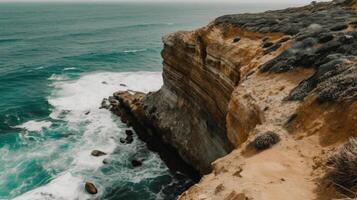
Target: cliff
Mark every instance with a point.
(245, 82)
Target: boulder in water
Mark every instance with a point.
(90, 188)
(129, 132)
(98, 153)
(113, 102)
(105, 161)
(105, 104)
(128, 140)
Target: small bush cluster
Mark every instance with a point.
(265, 140)
(343, 171)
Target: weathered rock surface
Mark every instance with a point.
(292, 72)
(130, 109)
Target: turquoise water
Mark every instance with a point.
(57, 61)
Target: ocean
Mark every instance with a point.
(57, 62)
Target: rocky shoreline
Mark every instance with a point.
(256, 102)
(127, 105)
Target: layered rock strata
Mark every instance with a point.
(292, 72)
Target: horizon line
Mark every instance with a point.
(297, 2)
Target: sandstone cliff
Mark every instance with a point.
(290, 72)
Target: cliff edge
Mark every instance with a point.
(261, 102)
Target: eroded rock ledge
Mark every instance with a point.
(290, 72)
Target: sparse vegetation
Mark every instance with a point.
(265, 140)
(343, 171)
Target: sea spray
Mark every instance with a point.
(89, 128)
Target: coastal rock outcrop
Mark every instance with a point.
(290, 72)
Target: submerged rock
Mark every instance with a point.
(105, 104)
(90, 188)
(129, 137)
(113, 101)
(136, 163)
(129, 132)
(128, 140)
(98, 153)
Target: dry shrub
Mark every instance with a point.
(343, 168)
(265, 140)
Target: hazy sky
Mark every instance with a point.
(238, 1)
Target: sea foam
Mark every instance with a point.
(80, 100)
(57, 77)
(134, 50)
(64, 187)
(34, 125)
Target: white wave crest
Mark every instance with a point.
(134, 50)
(56, 77)
(34, 125)
(69, 68)
(64, 187)
(80, 100)
(88, 91)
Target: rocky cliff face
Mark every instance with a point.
(290, 72)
